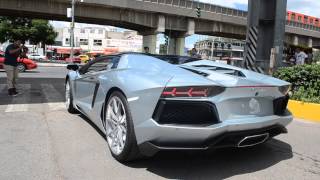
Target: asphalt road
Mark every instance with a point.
(40, 140)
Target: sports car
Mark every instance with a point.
(143, 104)
(23, 63)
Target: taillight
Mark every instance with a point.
(191, 91)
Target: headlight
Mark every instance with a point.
(285, 89)
(191, 91)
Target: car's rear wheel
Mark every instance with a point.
(69, 98)
(21, 67)
(119, 129)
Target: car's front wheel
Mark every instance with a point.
(69, 98)
(119, 129)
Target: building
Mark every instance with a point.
(225, 49)
(99, 39)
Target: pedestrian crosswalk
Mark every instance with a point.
(34, 97)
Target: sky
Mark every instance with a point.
(309, 7)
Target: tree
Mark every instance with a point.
(42, 32)
(14, 28)
(35, 30)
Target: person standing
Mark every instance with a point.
(300, 57)
(13, 51)
(146, 50)
(194, 53)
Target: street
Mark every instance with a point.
(39, 139)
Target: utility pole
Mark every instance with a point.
(72, 28)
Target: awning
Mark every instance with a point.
(68, 50)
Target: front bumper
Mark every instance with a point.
(152, 137)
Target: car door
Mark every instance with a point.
(86, 86)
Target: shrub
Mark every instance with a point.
(305, 80)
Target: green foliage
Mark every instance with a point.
(26, 29)
(316, 56)
(305, 80)
(14, 28)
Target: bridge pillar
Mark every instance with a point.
(176, 45)
(266, 30)
(310, 42)
(295, 40)
(149, 41)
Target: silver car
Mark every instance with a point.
(144, 104)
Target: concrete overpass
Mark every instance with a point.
(176, 18)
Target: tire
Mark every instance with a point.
(130, 150)
(21, 67)
(69, 99)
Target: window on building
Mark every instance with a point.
(305, 19)
(92, 31)
(311, 21)
(97, 42)
(100, 31)
(293, 17)
(83, 31)
(83, 41)
(317, 22)
(67, 41)
(299, 18)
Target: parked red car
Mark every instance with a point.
(23, 63)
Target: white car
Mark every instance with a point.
(37, 57)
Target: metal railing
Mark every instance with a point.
(211, 8)
(302, 25)
(190, 4)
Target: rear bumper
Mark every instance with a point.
(152, 137)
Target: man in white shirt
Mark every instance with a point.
(300, 57)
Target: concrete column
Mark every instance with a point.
(295, 40)
(176, 45)
(310, 44)
(150, 41)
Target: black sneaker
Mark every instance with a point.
(15, 93)
(12, 92)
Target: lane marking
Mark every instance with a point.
(19, 103)
(52, 95)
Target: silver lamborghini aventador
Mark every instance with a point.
(144, 104)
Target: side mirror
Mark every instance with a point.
(72, 67)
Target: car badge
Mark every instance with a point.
(254, 106)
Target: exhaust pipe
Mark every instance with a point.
(253, 140)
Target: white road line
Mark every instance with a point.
(51, 94)
(19, 103)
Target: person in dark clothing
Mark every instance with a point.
(13, 51)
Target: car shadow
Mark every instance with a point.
(211, 164)
(215, 164)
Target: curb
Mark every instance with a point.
(304, 110)
(51, 65)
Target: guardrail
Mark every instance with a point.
(302, 25)
(189, 4)
(211, 8)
